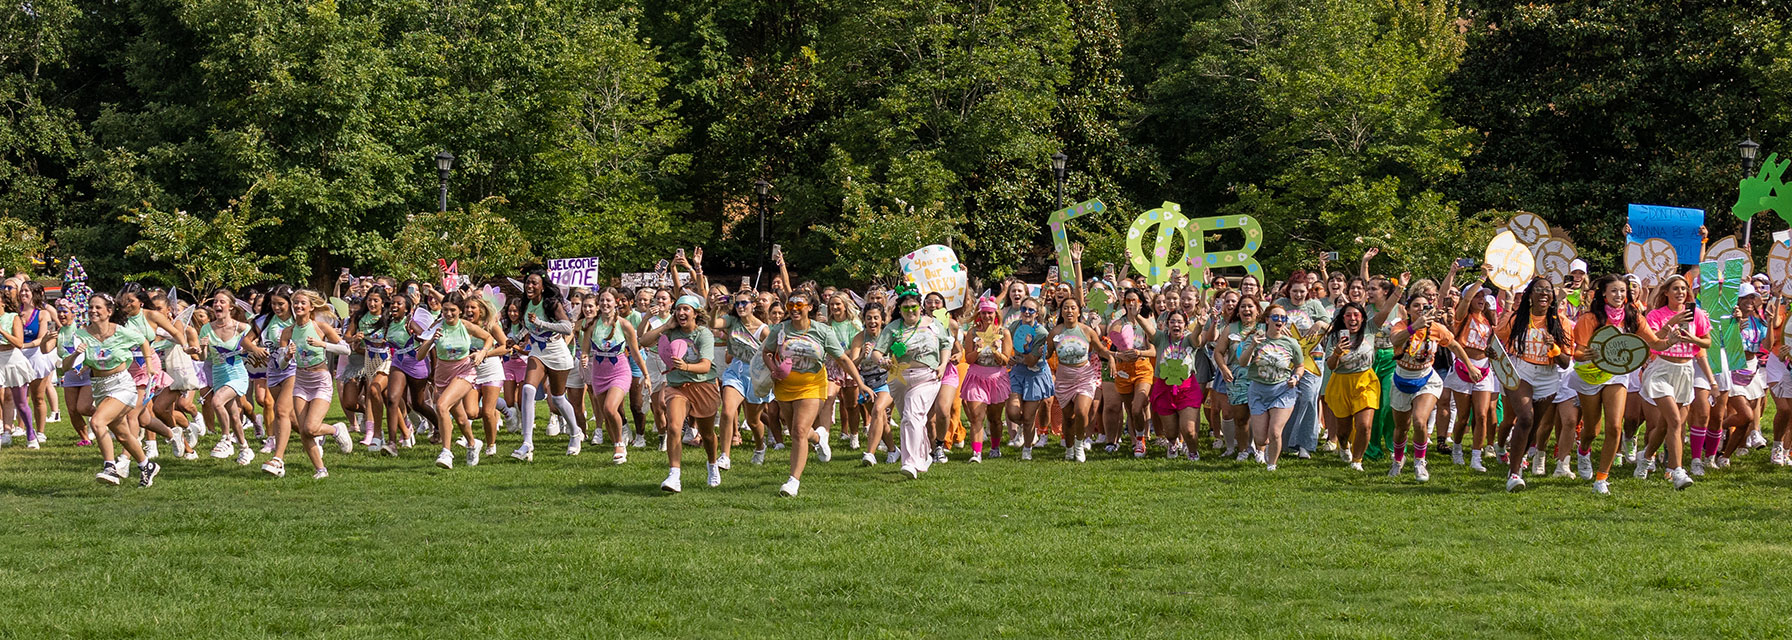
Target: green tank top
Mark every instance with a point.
(112, 352)
(309, 356)
(452, 343)
(399, 336)
(6, 322)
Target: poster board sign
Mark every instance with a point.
(633, 281)
(935, 269)
(1513, 264)
(574, 272)
(1679, 226)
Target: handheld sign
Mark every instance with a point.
(1513, 264)
(574, 272)
(935, 269)
(1501, 363)
(1678, 226)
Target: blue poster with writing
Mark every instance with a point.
(1677, 225)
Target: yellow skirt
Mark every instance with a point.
(802, 386)
(1353, 392)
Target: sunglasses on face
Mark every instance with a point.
(1028, 311)
(909, 307)
(742, 303)
(1278, 319)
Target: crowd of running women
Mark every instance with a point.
(1321, 361)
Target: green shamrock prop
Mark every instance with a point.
(1098, 300)
(1173, 372)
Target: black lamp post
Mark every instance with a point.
(444, 164)
(1058, 172)
(764, 190)
(1749, 149)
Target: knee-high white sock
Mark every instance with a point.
(1230, 430)
(525, 415)
(563, 408)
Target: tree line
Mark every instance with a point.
(224, 141)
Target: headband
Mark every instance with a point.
(691, 301)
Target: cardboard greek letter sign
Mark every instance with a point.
(574, 272)
(1679, 226)
(1551, 248)
(1652, 260)
(935, 269)
(1172, 232)
(1061, 242)
(1766, 191)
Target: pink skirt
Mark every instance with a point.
(1167, 400)
(608, 372)
(447, 372)
(309, 384)
(516, 369)
(951, 377)
(150, 374)
(1072, 381)
(987, 385)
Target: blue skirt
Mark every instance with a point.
(1030, 385)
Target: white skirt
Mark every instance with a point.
(15, 369)
(180, 371)
(489, 373)
(555, 356)
(118, 385)
(43, 364)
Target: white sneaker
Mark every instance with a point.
(1420, 471)
(1755, 440)
(640, 442)
(445, 459)
(1026, 453)
(1562, 470)
(1257, 456)
(715, 475)
(1271, 467)
(473, 452)
(1244, 454)
(320, 474)
(245, 455)
(868, 460)
(179, 440)
(1681, 480)
(758, 456)
(150, 450)
(789, 488)
(723, 463)
(1474, 464)
(910, 472)
(1069, 453)
(1395, 468)
(1778, 457)
(577, 443)
(491, 449)
(597, 437)
(1081, 453)
(1456, 456)
(1723, 462)
(1602, 487)
(1537, 462)
(673, 484)
(1698, 467)
(1642, 469)
(1515, 483)
(853, 442)
(123, 465)
(524, 453)
(977, 457)
(893, 457)
(194, 430)
(1343, 454)
(825, 449)
(267, 446)
(1584, 465)
(553, 424)
(55, 416)
(224, 449)
(344, 441)
(1356, 466)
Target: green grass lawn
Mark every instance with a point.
(1117, 547)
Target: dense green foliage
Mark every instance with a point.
(621, 128)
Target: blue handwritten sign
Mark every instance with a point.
(1677, 225)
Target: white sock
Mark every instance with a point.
(525, 414)
(563, 408)
(676, 472)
